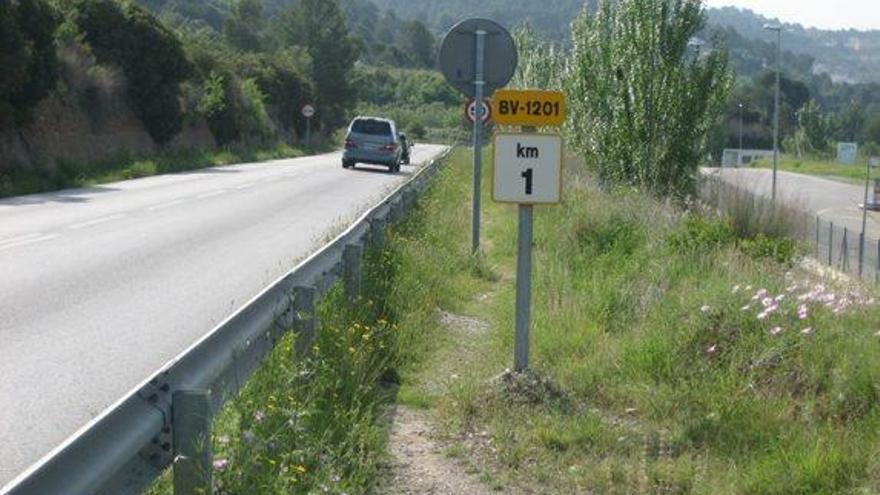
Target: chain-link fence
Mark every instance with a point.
(833, 242)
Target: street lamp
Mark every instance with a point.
(778, 29)
(740, 159)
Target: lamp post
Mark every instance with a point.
(740, 155)
(778, 29)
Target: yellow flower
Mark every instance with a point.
(300, 469)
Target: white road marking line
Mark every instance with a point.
(96, 221)
(25, 242)
(19, 238)
(165, 205)
(211, 194)
(244, 186)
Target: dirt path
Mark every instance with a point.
(420, 464)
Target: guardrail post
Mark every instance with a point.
(304, 318)
(377, 233)
(351, 271)
(193, 459)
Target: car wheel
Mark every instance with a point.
(347, 164)
(394, 168)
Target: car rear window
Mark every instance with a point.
(372, 127)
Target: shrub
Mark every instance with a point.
(780, 249)
(700, 234)
(150, 55)
(27, 55)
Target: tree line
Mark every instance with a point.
(246, 67)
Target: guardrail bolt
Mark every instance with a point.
(304, 319)
(351, 269)
(193, 464)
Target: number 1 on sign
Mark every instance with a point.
(528, 175)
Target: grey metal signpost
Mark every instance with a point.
(477, 57)
(308, 112)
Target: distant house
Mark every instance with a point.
(743, 158)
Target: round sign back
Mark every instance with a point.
(458, 56)
(308, 111)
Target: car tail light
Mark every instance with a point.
(349, 144)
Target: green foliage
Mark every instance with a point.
(541, 65)
(151, 56)
(780, 249)
(30, 66)
(321, 28)
(244, 25)
(640, 102)
(699, 234)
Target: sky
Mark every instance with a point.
(824, 14)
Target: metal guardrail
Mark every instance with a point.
(129, 445)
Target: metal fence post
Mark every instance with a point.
(304, 318)
(830, 243)
(861, 254)
(351, 271)
(845, 255)
(193, 463)
(818, 228)
(877, 268)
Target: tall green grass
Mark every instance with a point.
(685, 367)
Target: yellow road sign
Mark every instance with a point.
(529, 107)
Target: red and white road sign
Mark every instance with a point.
(470, 112)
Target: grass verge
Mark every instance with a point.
(685, 361)
(823, 168)
(19, 180)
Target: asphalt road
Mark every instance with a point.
(99, 287)
(832, 200)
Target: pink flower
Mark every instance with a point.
(803, 312)
(776, 331)
(220, 464)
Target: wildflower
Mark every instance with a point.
(746, 307)
(779, 298)
(803, 312)
(259, 416)
(220, 464)
(299, 468)
(807, 331)
(791, 288)
(735, 289)
(767, 302)
(705, 308)
(775, 331)
(877, 334)
(712, 348)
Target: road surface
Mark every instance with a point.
(832, 200)
(101, 286)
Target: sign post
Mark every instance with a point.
(477, 57)
(528, 172)
(308, 112)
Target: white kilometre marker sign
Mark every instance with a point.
(528, 168)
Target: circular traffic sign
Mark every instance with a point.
(470, 112)
(308, 111)
(458, 56)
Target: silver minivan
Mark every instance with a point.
(372, 140)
